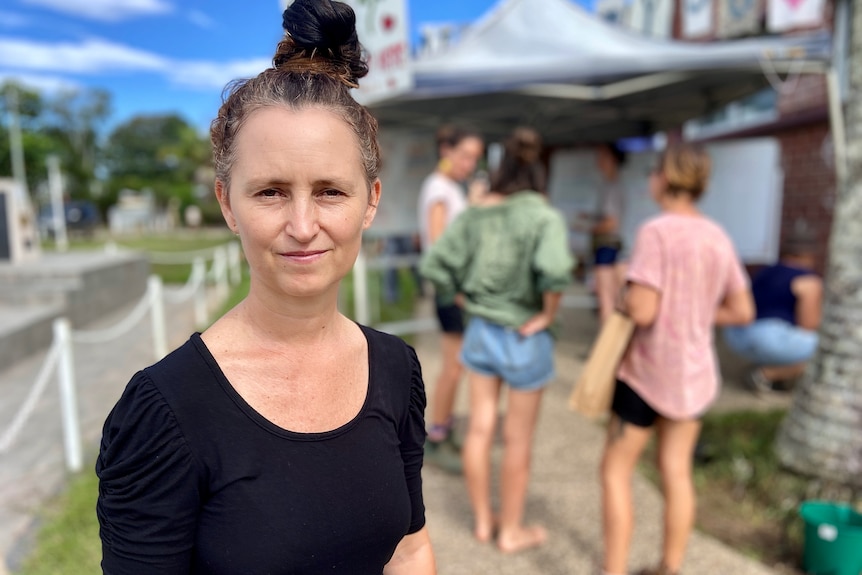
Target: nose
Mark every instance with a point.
(302, 220)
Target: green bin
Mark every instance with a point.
(833, 539)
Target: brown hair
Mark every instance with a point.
(686, 169)
(315, 65)
(521, 167)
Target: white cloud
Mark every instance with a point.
(106, 10)
(201, 20)
(88, 57)
(42, 83)
(13, 20)
(216, 74)
(95, 56)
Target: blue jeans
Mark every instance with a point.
(772, 342)
(525, 363)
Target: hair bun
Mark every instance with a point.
(321, 30)
(526, 145)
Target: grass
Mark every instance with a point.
(68, 542)
(745, 498)
(182, 241)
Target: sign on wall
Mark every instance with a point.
(739, 17)
(382, 27)
(697, 20)
(19, 239)
(652, 18)
(784, 15)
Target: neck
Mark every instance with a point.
(285, 319)
(681, 204)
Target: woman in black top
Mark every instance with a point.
(284, 439)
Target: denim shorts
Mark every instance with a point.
(525, 363)
(772, 342)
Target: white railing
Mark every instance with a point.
(225, 270)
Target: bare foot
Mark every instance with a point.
(522, 539)
(485, 532)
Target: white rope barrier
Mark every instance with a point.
(11, 432)
(192, 285)
(120, 328)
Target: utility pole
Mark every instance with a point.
(19, 172)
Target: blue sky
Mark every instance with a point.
(160, 55)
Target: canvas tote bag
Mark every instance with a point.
(594, 389)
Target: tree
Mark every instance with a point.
(158, 152)
(74, 120)
(822, 434)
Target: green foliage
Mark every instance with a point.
(163, 153)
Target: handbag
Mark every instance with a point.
(594, 389)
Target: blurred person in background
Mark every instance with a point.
(509, 257)
(683, 278)
(788, 297)
(607, 240)
(441, 200)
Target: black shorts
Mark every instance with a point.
(451, 318)
(631, 408)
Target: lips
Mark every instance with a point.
(306, 256)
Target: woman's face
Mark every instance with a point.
(605, 162)
(299, 199)
(463, 157)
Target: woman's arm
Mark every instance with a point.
(436, 221)
(607, 225)
(543, 319)
(640, 303)
(413, 556)
(736, 309)
(809, 301)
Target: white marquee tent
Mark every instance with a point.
(552, 65)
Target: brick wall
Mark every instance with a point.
(809, 183)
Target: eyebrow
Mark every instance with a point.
(276, 182)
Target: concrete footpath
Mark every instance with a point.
(564, 492)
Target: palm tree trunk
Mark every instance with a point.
(822, 434)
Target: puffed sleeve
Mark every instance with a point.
(412, 437)
(149, 493)
(552, 260)
(445, 263)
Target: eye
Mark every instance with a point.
(269, 193)
(331, 193)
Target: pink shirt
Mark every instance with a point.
(691, 261)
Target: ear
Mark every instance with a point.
(373, 201)
(223, 198)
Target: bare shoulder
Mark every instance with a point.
(809, 285)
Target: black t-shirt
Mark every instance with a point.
(195, 481)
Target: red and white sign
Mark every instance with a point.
(784, 15)
(382, 27)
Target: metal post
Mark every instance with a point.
(68, 399)
(157, 314)
(199, 270)
(360, 289)
(55, 187)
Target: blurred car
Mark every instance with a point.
(82, 217)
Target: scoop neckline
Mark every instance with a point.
(258, 418)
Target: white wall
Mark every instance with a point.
(744, 193)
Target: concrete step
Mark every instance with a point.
(25, 330)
